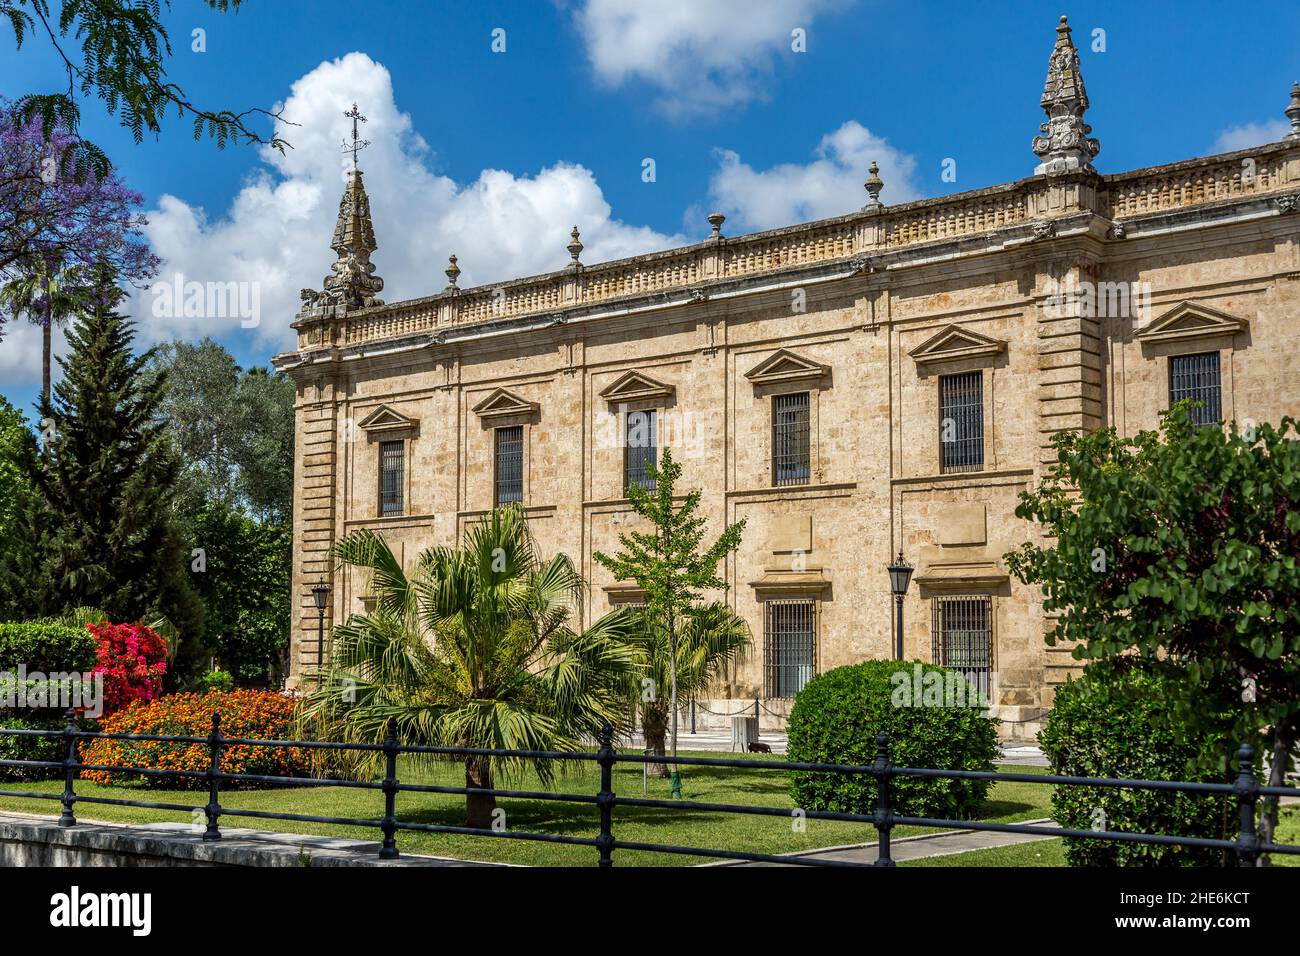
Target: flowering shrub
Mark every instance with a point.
(255, 714)
(133, 660)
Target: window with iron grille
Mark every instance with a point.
(961, 633)
(640, 442)
(509, 464)
(790, 459)
(1196, 377)
(789, 643)
(961, 422)
(392, 468)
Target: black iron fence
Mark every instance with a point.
(1246, 790)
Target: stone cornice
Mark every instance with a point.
(1033, 215)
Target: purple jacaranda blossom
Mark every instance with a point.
(53, 220)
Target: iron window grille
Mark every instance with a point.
(962, 637)
(789, 647)
(790, 458)
(640, 445)
(392, 468)
(1196, 377)
(509, 465)
(961, 422)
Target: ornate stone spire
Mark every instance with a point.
(1293, 113)
(1066, 146)
(575, 247)
(874, 185)
(352, 282)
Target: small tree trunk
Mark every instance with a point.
(1282, 744)
(479, 806)
(46, 351)
(672, 673)
(654, 725)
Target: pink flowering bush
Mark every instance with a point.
(133, 660)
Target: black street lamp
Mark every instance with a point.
(900, 576)
(320, 593)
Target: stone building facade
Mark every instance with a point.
(882, 382)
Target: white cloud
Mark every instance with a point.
(277, 229)
(703, 55)
(830, 185)
(20, 360)
(1251, 134)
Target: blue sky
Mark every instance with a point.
(495, 156)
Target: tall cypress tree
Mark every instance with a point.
(106, 481)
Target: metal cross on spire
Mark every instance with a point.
(357, 143)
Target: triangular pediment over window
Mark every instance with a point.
(786, 366)
(1191, 320)
(385, 419)
(954, 342)
(634, 386)
(501, 403)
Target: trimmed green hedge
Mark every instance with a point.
(837, 716)
(1112, 723)
(32, 748)
(49, 648)
(45, 646)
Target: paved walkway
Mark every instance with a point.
(1020, 754)
(943, 843)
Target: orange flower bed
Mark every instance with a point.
(252, 714)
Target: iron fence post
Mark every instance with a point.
(1247, 789)
(388, 851)
(605, 798)
(882, 770)
(213, 809)
(67, 818)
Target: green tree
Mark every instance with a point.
(117, 52)
(104, 485)
(17, 498)
(1180, 546)
(233, 428)
(242, 574)
(672, 568)
(473, 648)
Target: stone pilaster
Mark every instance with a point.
(1070, 351)
(315, 477)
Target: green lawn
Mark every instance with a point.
(1008, 802)
(1041, 853)
(1052, 852)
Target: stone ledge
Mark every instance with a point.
(34, 840)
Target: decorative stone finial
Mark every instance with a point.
(716, 219)
(453, 271)
(1293, 113)
(1066, 146)
(575, 246)
(352, 282)
(874, 185)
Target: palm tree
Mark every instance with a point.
(473, 648)
(49, 296)
(711, 638)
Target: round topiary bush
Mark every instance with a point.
(250, 714)
(1116, 722)
(838, 714)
